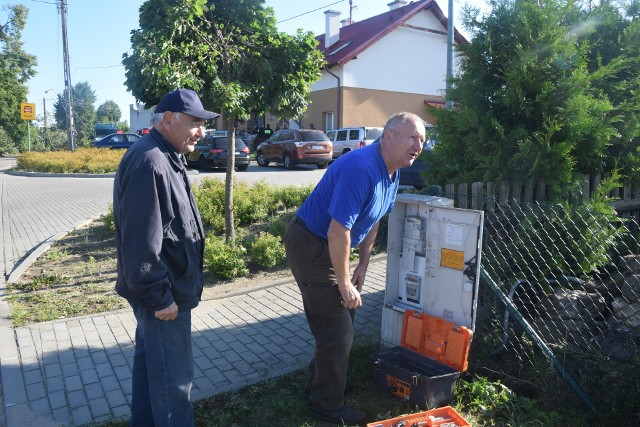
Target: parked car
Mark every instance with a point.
(352, 138)
(295, 146)
(116, 140)
(412, 175)
(212, 152)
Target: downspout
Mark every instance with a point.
(338, 109)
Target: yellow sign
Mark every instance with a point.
(27, 111)
(452, 259)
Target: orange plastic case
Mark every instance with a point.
(439, 417)
(426, 365)
(437, 339)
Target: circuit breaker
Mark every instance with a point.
(433, 262)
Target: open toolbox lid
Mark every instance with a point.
(436, 338)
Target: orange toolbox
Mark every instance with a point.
(426, 365)
(440, 417)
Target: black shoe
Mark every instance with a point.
(345, 415)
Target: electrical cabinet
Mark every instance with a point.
(433, 262)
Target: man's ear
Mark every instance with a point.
(386, 137)
(167, 118)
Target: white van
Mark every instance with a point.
(352, 138)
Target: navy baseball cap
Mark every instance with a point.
(184, 101)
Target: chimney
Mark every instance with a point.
(345, 22)
(396, 4)
(332, 28)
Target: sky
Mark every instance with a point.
(98, 34)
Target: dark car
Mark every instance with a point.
(211, 152)
(116, 140)
(412, 175)
(295, 146)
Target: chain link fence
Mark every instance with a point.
(559, 308)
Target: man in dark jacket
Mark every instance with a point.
(160, 246)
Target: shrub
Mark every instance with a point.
(252, 204)
(209, 196)
(267, 251)
(224, 260)
(278, 223)
(108, 219)
(82, 160)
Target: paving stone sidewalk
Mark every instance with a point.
(77, 371)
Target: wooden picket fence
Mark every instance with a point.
(486, 196)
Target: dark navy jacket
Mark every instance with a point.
(159, 234)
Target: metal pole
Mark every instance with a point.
(67, 75)
(44, 109)
(450, 38)
(28, 136)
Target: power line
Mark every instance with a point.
(103, 66)
(311, 11)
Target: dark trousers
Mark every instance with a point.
(162, 372)
(329, 321)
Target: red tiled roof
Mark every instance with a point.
(357, 37)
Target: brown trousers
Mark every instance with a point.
(329, 321)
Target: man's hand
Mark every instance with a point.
(168, 313)
(358, 277)
(350, 296)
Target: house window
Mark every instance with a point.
(328, 121)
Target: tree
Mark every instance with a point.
(109, 112)
(614, 61)
(84, 113)
(16, 68)
(525, 105)
(230, 52)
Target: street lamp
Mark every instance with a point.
(44, 109)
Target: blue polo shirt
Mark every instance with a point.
(355, 190)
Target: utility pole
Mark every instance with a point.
(67, 75)
(450, 38)
(44, 109)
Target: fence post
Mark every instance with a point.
(491, 197)
(503, 197)
(585, 188)
(449, 191)
(541, 191)
(528, 192)
(597, 179)
(477, 196)
(462, 195)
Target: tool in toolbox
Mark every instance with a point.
(439, 417)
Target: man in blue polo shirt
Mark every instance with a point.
(343, 212)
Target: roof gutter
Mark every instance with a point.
(338, 109)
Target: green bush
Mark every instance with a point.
(251, 204)
(108, 219)
(224, 260)
(209, 196)
(82, 160)
(278, 223)
(267, 251)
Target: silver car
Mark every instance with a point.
(352, 138)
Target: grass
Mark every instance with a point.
(281, 402)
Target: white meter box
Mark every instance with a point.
(433, 262)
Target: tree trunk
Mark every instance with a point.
(230, 232)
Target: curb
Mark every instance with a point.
(25, 263)
(72, 175)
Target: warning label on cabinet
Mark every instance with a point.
(452, 259)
